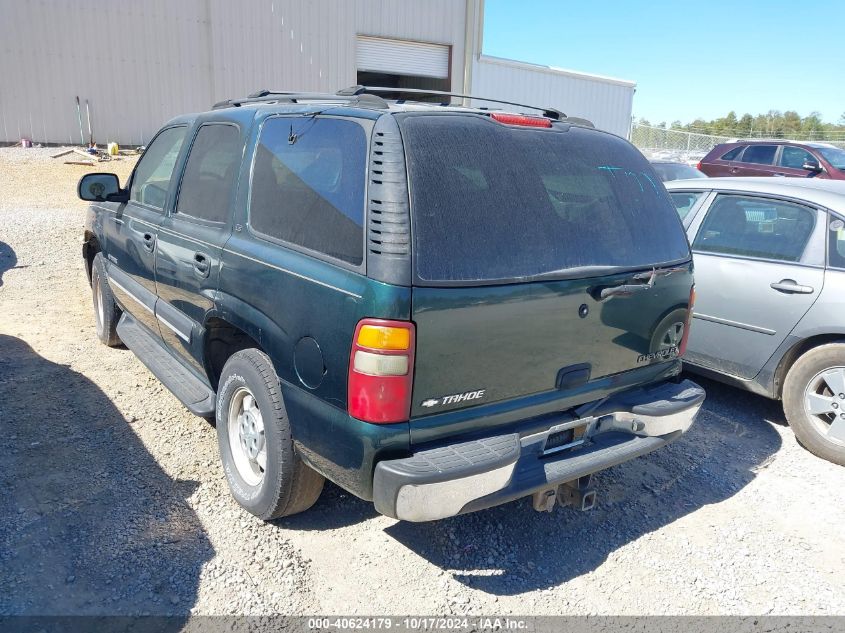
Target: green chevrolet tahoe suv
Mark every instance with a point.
(439, 308)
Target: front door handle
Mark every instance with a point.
(790, 286)
(149, 241)
(201, 265)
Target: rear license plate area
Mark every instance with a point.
(564, 437)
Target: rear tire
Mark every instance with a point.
(264, 472)
(106, 312)
(814, 401)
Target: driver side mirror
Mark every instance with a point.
(101, 188)
(811, 165)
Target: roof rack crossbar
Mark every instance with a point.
(359, 90)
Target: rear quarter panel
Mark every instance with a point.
(827, 316)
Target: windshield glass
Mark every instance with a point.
(497, 203)
(834, 156)
(676, 171)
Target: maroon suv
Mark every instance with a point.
(775, 158)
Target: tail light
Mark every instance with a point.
(682, 348)
(520, 119)
(698, 167)
(381, 371)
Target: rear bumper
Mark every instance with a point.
(480, 473)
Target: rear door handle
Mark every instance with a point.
(201, 265)
(149, 241)
(789, 286)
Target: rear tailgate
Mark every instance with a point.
(517, 340)
(516, 231)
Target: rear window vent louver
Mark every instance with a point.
(388, 219)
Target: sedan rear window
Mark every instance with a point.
(685, 200)
(497, 203)
(836, 249)
(755, 227)
(676, 171)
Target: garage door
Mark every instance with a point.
(400, 57)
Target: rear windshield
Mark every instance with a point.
(497, 203)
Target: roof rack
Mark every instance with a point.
(297, 97)
(369, 96)
(551, 113)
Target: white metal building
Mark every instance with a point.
(139, 63)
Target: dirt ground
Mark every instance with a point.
(112, 499)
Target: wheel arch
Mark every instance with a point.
(90, 248)
(797, 350)
(223, 339)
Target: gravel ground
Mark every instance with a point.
(112, 500)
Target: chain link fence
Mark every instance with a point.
(686, 147)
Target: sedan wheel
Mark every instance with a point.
(814, 401)
(824, 402)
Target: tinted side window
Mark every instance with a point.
(152, 175)
(733, 154)
(836, 247)
(755, 227)
(684, 201)
(211, 173)
(794, 157)
(308, 185)
(760, 154)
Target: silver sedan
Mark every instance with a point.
(770, 283)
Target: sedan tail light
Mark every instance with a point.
(682, 348)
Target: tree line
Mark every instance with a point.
(773, 124)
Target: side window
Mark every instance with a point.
(760, 154)
(733, 154)
(684, 201)
(795, 157)
(755, 227)
(308, 185)
(211, 173)
(836, 247)
(152, 175)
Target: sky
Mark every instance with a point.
(689, 59)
